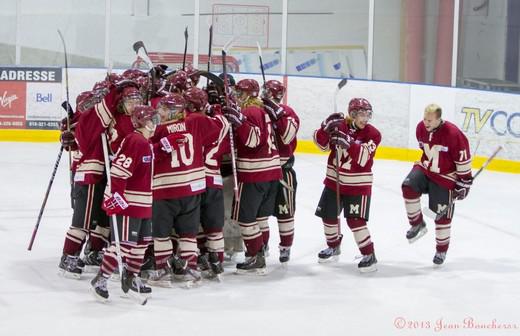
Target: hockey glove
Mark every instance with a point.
(274, 110)
(68, 141)
(341, 139)
(332, 122)
(115, 204)
(234, 116)
(214, 110)
(172, 142)
(462, 188)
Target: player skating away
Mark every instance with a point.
(444, 173)
(285, 123)
(258, 170)
(179, 181)
(357, 141)
(129, 196)
(89, 177)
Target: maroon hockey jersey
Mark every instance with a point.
(91, 124)
(355, 171)
(181, 173)
(446, 155)
(131, 175)
(286, 129)
(214, 155)
(257, 156)
(120, 126)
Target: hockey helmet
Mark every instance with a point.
(275, 89)
(359, 104)
(142, 114)
(196, 99)
(248, 86)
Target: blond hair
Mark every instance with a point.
(433, 108)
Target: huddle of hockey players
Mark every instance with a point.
(166, 163)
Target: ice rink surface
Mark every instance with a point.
(477, 291)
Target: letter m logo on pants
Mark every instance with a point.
(354, 209)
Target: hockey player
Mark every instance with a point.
(444, 173)
(211, 239)
(129, 196)
(258, 170)
(285, 125)
(233, 242)
(89, 178)
(179, 181)
(356, 140)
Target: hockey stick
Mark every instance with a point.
(115, 229)
(185, 47)
(141, 52)
(69, 115)
(225, 49)
(261, 62)
(42, 208)
(445, 210)
(209, 51)
(340, 86)
(282, 182)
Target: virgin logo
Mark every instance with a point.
(5, 101)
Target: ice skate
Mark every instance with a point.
(416, 232)
(99, 287)
(253, 264)
(439, 258)
(368, 263)
(182, 273)
(285, 254)
(69, 267)
(92, 261)
(133, 286)
(330, 254)
(162, 277)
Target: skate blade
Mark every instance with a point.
(419, 236)
(256, 271)
(369, 269)
(115, 277)
(160, 283)
(284, 265)
(328, 260)
(139, 298)
(209, 275)
(98, 297)
(90, 269)
(189, 284)
(69, 275)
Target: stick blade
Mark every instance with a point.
(342, 83)
(138, 45)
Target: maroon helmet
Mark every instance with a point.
(133, 74)
(82, 101)
(193, 74)
(249, 86)
(275, 88)
(130, 92)
(178, 81)
(141, 114)
(357, 104)
(196, 99)
(172, 101)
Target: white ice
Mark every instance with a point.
(480, 280)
